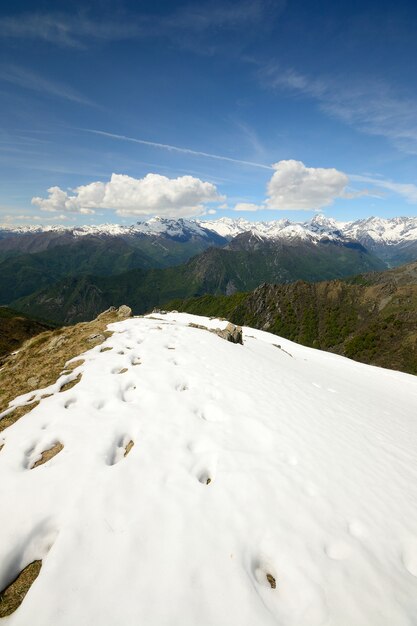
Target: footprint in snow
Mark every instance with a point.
(70, 402)
(264, 573)
(128, 393)
(120, 450)
(34, 460)
(204, 477)
(357, 529)
(182, 387)
(338, 550)
(409, 556)
(18, 582)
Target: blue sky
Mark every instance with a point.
(260, 109)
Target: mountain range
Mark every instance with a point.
(69, 274)
(394, 240)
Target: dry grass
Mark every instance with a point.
(129, 447)
(47, 455)
(41, 360)
(19, 412)
(13, 595)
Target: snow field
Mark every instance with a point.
(250, 464)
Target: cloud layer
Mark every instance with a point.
(154, 194)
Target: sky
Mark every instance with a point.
(262, 109)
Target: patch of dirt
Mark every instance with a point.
(70, 384)
(19, 412)
(128, 448)
(71, 366)
(47, 455)
(13, 595)
(271, 581)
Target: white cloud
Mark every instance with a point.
(295, 186)
(154, 194)
(248, 206)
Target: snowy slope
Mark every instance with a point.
(313, 480)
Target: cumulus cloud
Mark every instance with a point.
(295, 186)
(154, 194)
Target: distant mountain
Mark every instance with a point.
(394, 240)
(169, 241)
(243, 264)
(36, 259)
(163, 241)
(370, 318)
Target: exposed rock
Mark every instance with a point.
(122, 313)
(231, 333)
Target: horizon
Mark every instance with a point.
(116, 112)
(207, 219)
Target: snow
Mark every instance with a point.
(313, 470)
(387, 231)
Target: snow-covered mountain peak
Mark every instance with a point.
(197, 481)
(380, 230)
(376, 230)
(170, 227)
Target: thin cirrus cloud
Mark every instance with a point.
(154, 194)
(371, 106)
(80, 30)
(70, 31)
(407, 190)
(32, 81)
(172, 148)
